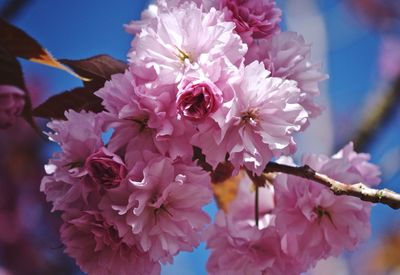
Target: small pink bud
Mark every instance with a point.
(198, 99)
(106, 169)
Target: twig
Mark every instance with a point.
(256, 206)
(359, 190)
(259, 181)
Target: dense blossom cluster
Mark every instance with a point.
(301, 221)
(222, 77)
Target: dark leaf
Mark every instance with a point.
(20, 44)
(77, 99)
(97, 67)
(10, 70)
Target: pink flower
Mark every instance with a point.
(164, 209)
(124, 113)
(286, 55)
(312, 221)
(99, 248)
(153, 11)
(198, 98)
(241, 210)
(66, 185)
(260, 122)
(105, 168)
(143, 117)
(254, 19)
(79, 136)
(356, 165)
(238, 246)
(184, 38)
(12, 102)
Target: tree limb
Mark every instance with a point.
(383, 110)
(359, 190)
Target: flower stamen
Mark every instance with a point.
(249, 117)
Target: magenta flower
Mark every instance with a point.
(12, 102)
(197, 99)
(254, 19)
(105, 168)
(100, 249)
(312, 221)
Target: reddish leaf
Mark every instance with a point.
(10, 70)
(78, 99)
(99, 66)
(20, 44)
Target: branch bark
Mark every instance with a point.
(358, 190)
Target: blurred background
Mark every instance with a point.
(358, 42)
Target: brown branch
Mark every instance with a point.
(359, 190)
(381, 113)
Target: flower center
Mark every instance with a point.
(250, 117)
(321, 212)
(142, 122)
(183, 56)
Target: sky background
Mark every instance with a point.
(77, 29)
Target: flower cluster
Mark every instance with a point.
(221, 77)
(300, 223)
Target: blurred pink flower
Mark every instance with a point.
(254, 19)
(389, 60)
(12, 102)
(100, 249)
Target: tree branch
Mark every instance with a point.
(359, 190)
(383, 110)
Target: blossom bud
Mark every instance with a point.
(198, 99)
(106, 169)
